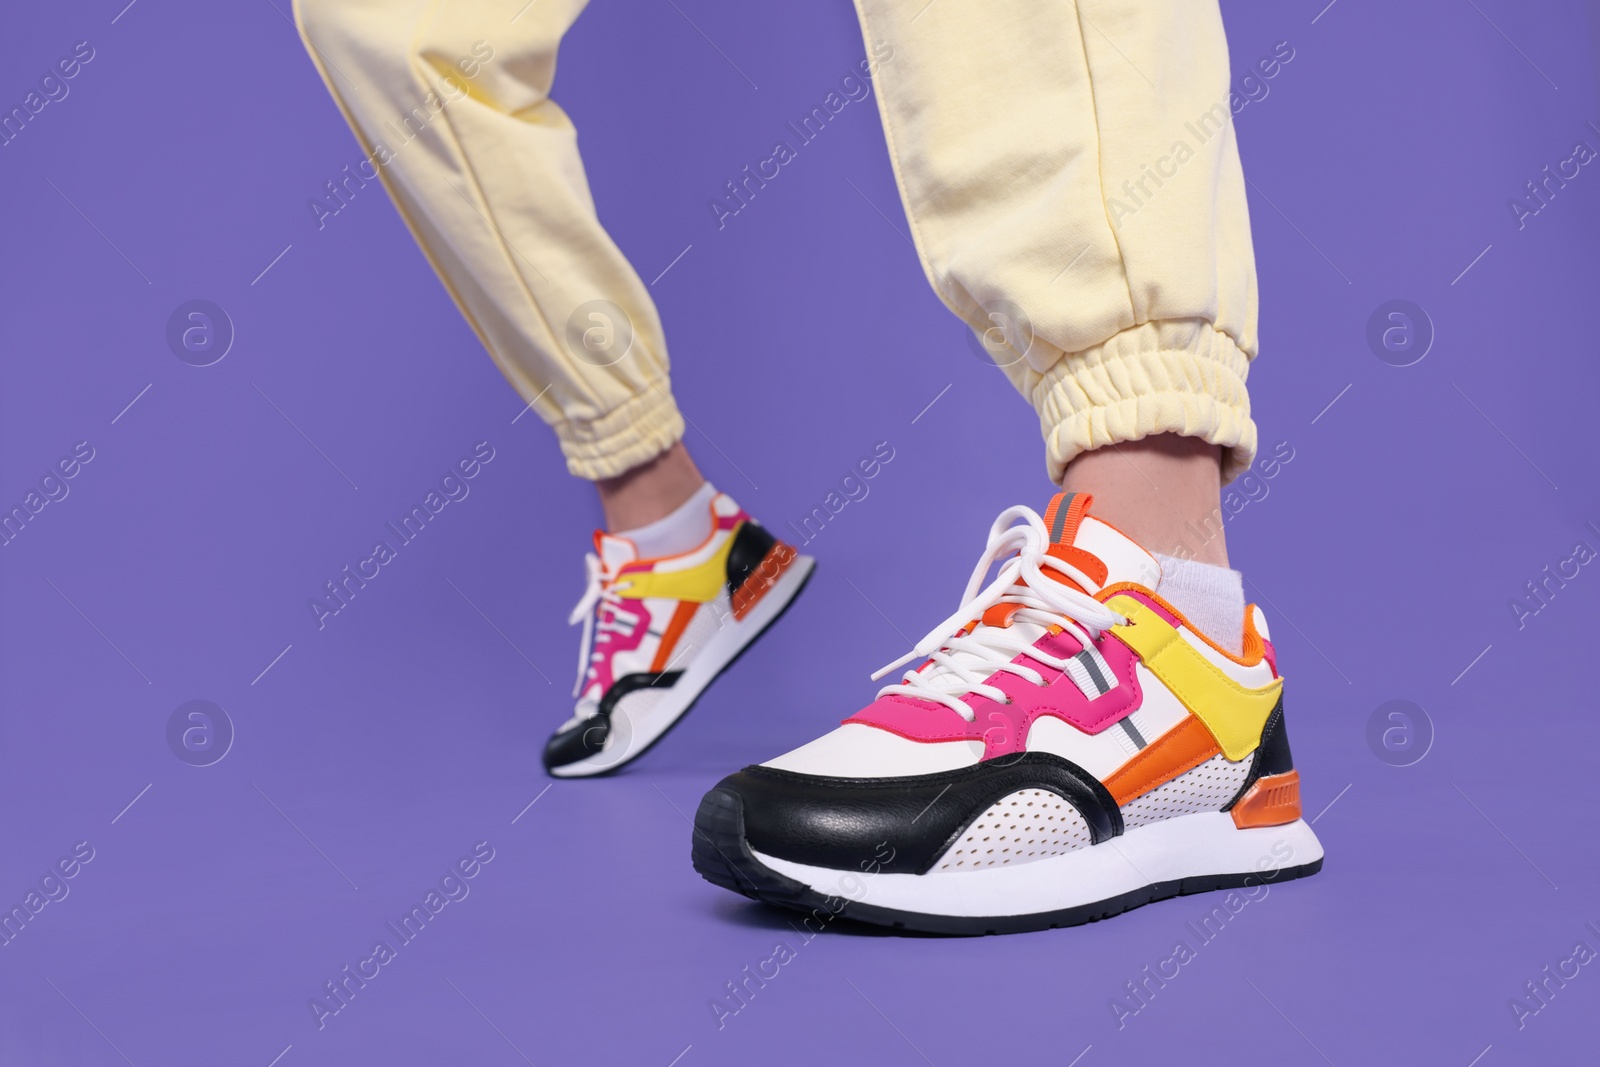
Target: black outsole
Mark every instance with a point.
(723, 857)
(720, 672)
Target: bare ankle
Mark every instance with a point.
(1164, 491)
(650, 491)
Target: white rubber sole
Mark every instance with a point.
(1204, 845)
(629, 737)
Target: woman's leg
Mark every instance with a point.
(451, 103)
(1072, 180)
(1097, 727)
(1164, 491)
(651, 491)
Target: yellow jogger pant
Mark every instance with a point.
(1068, 167)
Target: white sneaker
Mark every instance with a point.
(657, 632)
(1070, 747)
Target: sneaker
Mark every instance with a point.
(656, 632)
(1069, 748)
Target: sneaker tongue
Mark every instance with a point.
(614, 551)
(1101, 551)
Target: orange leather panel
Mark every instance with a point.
(675, 628)
(1273, 800)
(1180, 749)
(1000, 614)
(1086, 562)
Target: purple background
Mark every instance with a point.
(375, 752)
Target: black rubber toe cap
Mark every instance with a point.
(903, 824)
(577, 742)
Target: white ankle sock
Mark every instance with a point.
(1209, 596)
(677, 533)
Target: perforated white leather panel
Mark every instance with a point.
(1206, 788)
(1030, 824)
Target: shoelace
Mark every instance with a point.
(598, 592)
(960, 660)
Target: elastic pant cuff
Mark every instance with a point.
(1180, 376)
(641, 429)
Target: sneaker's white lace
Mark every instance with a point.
(959, 662)
(599, 591)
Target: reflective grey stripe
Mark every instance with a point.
(1133, 733)
(1091, 664)
(1082, 679)
(1061, 517)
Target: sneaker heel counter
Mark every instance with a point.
(1270, 795)
(756, 560)
(751, 543)
(1273, 755)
